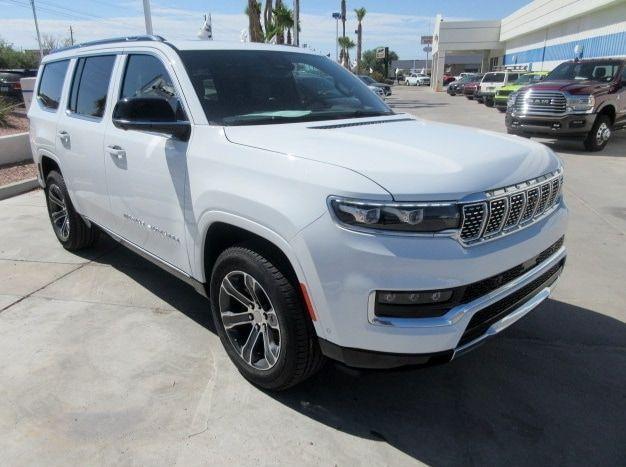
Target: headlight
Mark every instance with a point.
(398, 217)
(510, 102)
(580, 104)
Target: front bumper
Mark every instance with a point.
(512, 301)
(343, 269)
(566, 125)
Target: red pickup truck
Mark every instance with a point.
(583, 99)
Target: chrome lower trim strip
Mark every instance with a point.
(507, 321)
(468, 309)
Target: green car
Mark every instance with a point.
(526, 79)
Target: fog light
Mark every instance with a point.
(556, 126)
(424, 297)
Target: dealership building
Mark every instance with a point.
(538, 36)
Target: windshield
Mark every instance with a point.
(251, 87)
(368, 79)
(493, 78)
(528, 79)
(585, 71)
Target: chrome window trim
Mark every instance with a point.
(456, 314)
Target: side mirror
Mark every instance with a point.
(149, 114)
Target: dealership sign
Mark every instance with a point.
(380, 53)
(427, 40)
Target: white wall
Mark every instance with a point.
(601, 33)
(540, 14)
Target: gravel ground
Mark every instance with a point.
(18, 123)
(16, 172)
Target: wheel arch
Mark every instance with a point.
(223, 230)
(608, 110)
(46, 165)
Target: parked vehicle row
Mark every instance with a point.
(581, 99)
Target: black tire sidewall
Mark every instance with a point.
(55, 178)
(250, 262)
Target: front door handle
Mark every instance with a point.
(64, 136)
(116, 151)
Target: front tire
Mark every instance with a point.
(261, 320)
(68, 226)
(600, 134)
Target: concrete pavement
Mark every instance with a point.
(105, 359)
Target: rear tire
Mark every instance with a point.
(268, 334)
(600, 134)
(68, 226)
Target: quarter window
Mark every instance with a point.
(146, 76)
(51, 84)
(90, 85)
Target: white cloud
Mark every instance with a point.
(400, 32)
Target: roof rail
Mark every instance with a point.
(112, 40)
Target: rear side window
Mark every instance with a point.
(90, 85)
(51, 84)
(146, 76)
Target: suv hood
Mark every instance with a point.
(414, 160)
(573, 87)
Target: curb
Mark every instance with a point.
(17, 188)
(15, 148)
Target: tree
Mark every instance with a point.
(369, 60)
(346, 44)
(360, 14)
(254, 21)
(12, 58)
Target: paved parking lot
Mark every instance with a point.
(105, 359)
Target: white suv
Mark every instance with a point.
(317, 221)
(492, 82)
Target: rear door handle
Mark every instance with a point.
(64, 136)
(116, 151)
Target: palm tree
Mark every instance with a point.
(360, 14)
(267, 16)
(254, 21)
(282, 22)
(346, 44)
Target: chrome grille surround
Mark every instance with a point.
(534, 102)
(509, 209)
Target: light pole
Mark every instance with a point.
(148, 16)
(337, 17)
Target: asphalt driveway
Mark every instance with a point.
(105, 359)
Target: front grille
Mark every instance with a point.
(511, 207)
(483, 319)
(540, 103)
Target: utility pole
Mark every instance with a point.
(148, 16)
(343, 16)
(32, 4)
(71, 36)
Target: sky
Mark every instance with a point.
(397, 24)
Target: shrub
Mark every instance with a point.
(5, 110)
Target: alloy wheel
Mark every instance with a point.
(249, 320)
(603, 134)
(58, 212)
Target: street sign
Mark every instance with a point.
(428, 49)
(427, 40)
(380, 53)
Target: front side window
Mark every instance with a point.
(51, 84)
(146, 76)
(245, 87)
(90, 85)
(585, 71)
